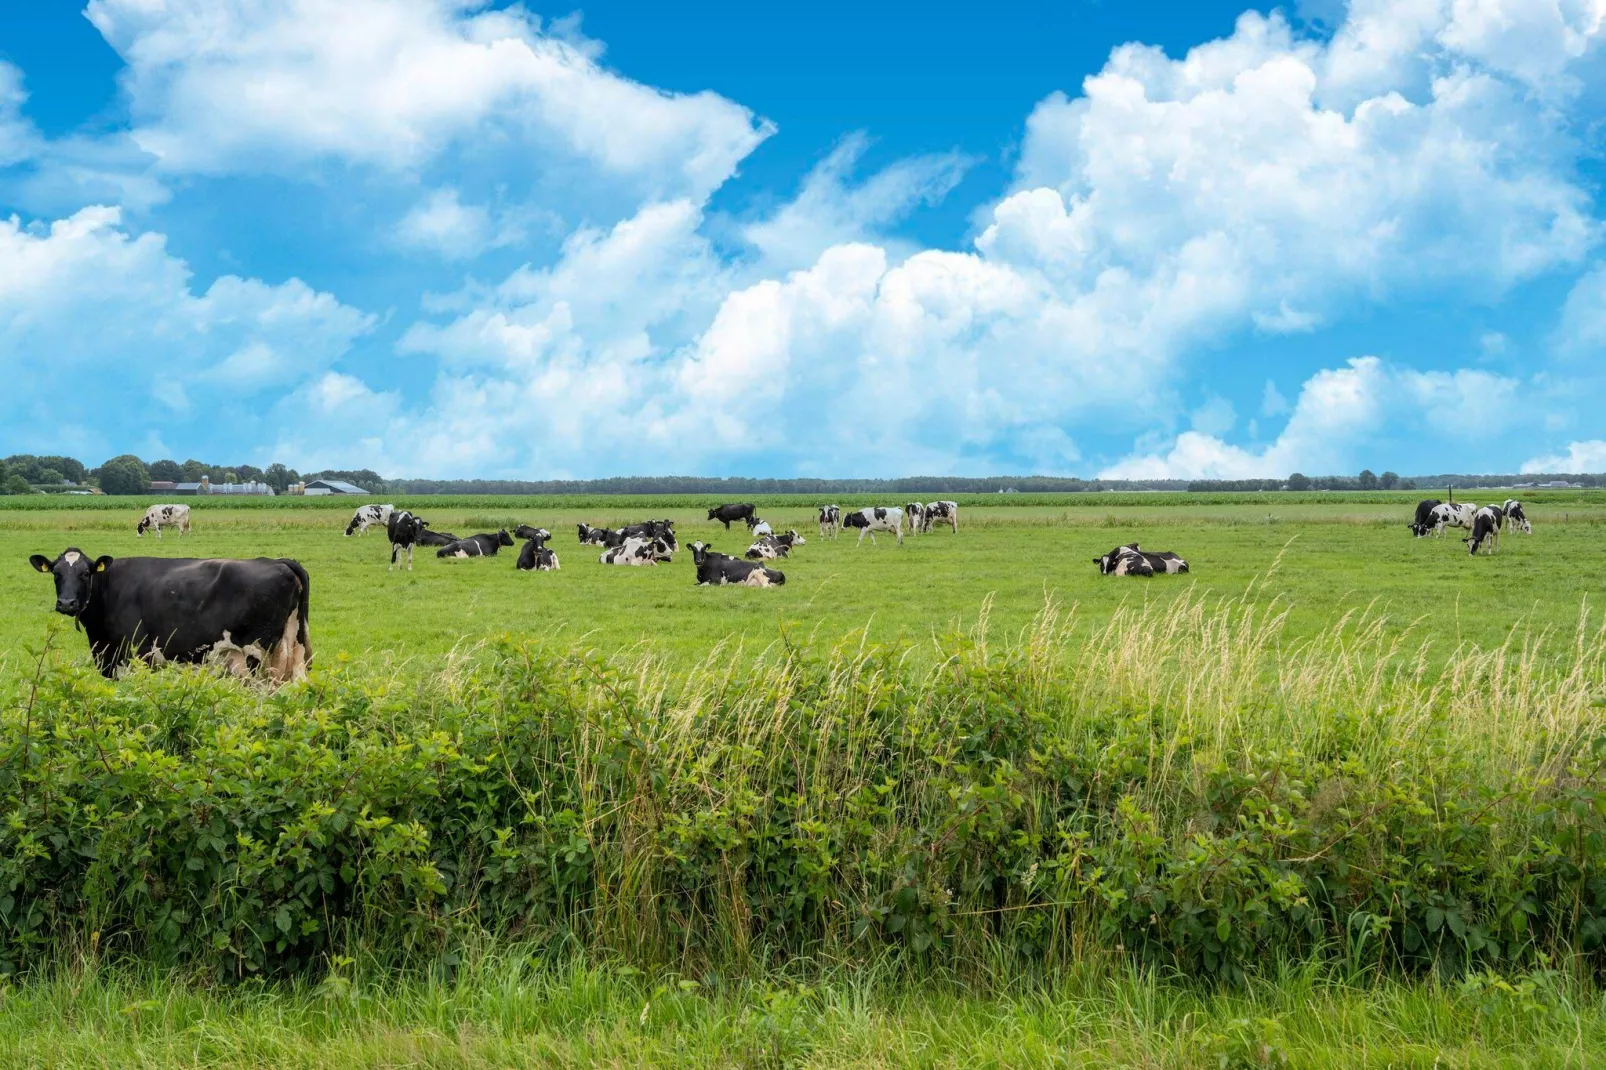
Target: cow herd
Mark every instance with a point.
(1483, 526)
(251, 616)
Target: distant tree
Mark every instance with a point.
(248, 473)
(1388, 480)
(51, 476)
(126, 474)
(194, 470)
(279, 477)
(167, 471)
(1298, 481)
(231, 476)
(1407, 484)
(15, 484)
(1367, 480)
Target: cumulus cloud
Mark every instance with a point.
(1580, 457)
(1343, 419)
(217, 86)
(101, 333)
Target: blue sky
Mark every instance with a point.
(441, 238)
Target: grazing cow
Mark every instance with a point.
(1453, 515)
(368, 515)
(405, 531)
(1128, 560)
(1424, 516)
(249, 615)
(830, 520)
(1485, 530)
(590, 536)
(874, 519)
(637, 551)
(435, 538)
(916, 514)
(535, 556)
(773, 546)
(732, 511)
(940, 512)
(483, 545)
(718, 570)
(159, 516)
(1512, 514)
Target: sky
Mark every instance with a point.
(440, 238)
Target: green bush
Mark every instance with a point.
(1175, 789)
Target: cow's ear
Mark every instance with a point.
(102, 561)
(40, 562)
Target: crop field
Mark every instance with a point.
(1331, 557)
(1337, 797)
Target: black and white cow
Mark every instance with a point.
(637, 551)
(772, 546)
(158, 517)
(874, 519)
(483, 545)
(759, 528)
(1512, 514)
(251, 616)
(652, 529)
(732, 511)
(535, 556)
(368, 515)
(404, 531)
(1423, 524)
(830, 520)
(590, 536)
(1129, 560)
(940, 513)
(718, 570)
(1485, 530)
(915, 513)
(1453, 515)
(434, 538)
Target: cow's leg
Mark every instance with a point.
(393, 549)
(409, 557)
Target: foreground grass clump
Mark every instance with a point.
(516, 1007)
(1176, 788)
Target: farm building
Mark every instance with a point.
(330, 486)
(206, 486)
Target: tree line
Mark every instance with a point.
(25, 473)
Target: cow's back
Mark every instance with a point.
(185, 607)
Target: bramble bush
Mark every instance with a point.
(1177, 787)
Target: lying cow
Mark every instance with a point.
(404, 531)
(830, 520)
(940, 513)
(590, 536)
(368, 515)
(718, 570)
(483, 545)
(435, 538)
(637, 551)
(760, 529)
(732, 511)
(249, 615)
(869, 521)
(772, 546)
(1128, 560)
(535, 556)
(1423, 524)
(1453, 515)
(1485, 530)
(1511, 513)
(158, 517)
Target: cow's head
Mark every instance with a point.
(503, 538)
(713, 514)
(73, 573)
(145, 524)
(751, 520)
(699, 551)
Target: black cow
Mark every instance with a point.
(435, 538)
(600, 536)
(535, 556)
(476, 545)
(1423, 524)
(1485, 530)
(249, 615)
(733, 511)
(405, 531)
(718, 570)
(772, 546)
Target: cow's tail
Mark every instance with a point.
(303, 606)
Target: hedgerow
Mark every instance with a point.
(1176, 787)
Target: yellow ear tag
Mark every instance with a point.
(100, 566)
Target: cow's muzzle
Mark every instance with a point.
(68, 606)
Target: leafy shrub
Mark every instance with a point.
(1175, 788)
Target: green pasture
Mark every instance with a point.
(1321, 555)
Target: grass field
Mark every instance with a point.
(1337, 555)
(1190, 821)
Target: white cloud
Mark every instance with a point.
(1272, 402)
(100, 328)
(218, 86)
(831, 209)
(442, 224)
(1344, 417)
(1582, 331)
(1580, 457)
